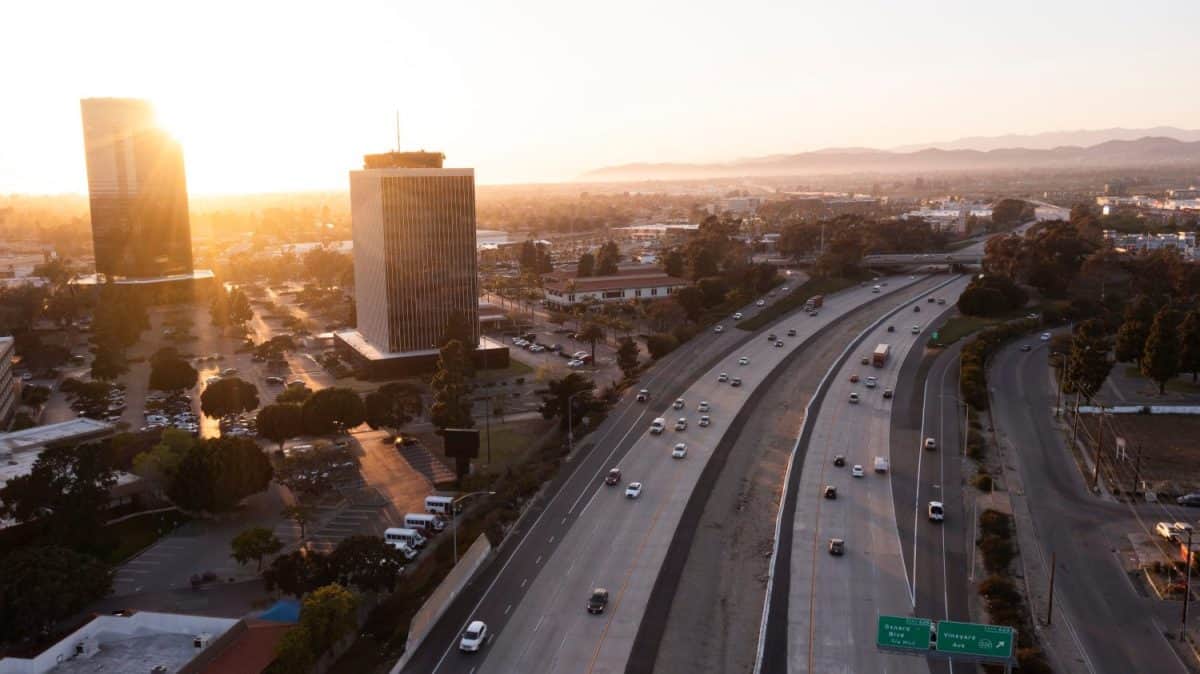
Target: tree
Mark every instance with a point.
(294, 394)
(332, 409)
(1006, 213)
(230, 308)
(1160, 358)
(660, 344)
(393, 405)
(217, 473)
(691, 299)
(607, 259)
(230, 395)
(68, 487)
(302, 515)
(627, 356)
(574, 393)
(297, 573)
(41, 585)
(451, 392)
(1131, 340)
(170, 372)
(673, 263)
(254, 544)
(1088, 365)
(161, 463)
(586, 266)
(280, 422)
(293, 653)
(592, 332)
(328, 614)
(1189, 343)
(366, 562)
(108, 363)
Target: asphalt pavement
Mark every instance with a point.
(1116, 630)
(618, 544)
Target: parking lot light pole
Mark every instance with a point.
(454, 514)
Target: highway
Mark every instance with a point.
(1116, 629)
(589, 535)
(832, 602)
(936, 555)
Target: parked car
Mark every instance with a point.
(1192, 499)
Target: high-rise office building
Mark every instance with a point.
(414, 260)
(137, 190)
(10, 386)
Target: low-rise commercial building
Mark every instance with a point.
(1185, 242)
(636, 283)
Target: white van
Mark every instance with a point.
(424, 522)
(881, 464)
(409, 537)
(439, 505)
(405, 549)
(658, 426)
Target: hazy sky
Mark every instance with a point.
(273, 96)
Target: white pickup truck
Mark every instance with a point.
(881, 464)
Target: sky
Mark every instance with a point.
(276, 96)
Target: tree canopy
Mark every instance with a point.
(332, 409)
(41, 585)
(253, 544)
(280, 422)
(451, 391)
(227, 396)
(217, 473)
(393, 406)
(573, 392)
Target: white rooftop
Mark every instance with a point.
(118, 644)
(81, 428)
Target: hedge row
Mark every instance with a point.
(973, 375)
(1005, 604)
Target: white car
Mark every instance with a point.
(1045, 337)
(705, 421)
(871, 382)
(854, 398)
(930, 443)
(579, 355)
(680, 451)
(857, 471)
(784, 289)
(936, 512)
(634, 490)
(1165, 530)
(474, 637)
(703, 406)
(723, 377)
(719, 329)
(678, 404)
(778, 343)
(681, 424)
(743, 361)
(737, 316)
(760, 303)
(575, 362)
(643, 395)
(916, 329)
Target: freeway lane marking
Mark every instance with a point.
(625, 583)
(507, 609)
(523, 581)
(551, 539)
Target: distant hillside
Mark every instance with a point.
(1053, 139)
(1147, 151)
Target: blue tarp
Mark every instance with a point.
(284, 611)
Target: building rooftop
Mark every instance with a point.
(386, 160)
(128, 643)
(75, 430)
(627, 277)
(355, 340)
(95, 279)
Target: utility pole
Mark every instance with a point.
(1050, 605)
(1137, 469)
(1187, 588)
(1075, 423)
(1099, 451)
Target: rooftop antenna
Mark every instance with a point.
(397, 130)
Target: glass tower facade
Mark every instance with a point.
(137, 190)
(414, 255)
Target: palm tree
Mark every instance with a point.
(592, 333)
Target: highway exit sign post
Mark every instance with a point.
(904, 633)
(988, 641)
(961, 641)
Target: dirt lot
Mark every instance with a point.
(1169, 445)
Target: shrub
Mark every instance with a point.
(997, 553)
(995, 523)
(982, 481)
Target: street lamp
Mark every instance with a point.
(454, 513)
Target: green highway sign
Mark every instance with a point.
(935, 335)
(901, 632)
(989, 641)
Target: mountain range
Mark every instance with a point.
(1144, 151)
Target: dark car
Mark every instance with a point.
(891, 328)
(830, 491)
(839, 460)
(597, 601)
(837, 547)
(931, 300)
(613, 478)
(1026, 347)
(916, 309)
(1189, 499)
(791, 332)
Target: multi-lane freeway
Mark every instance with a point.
(589, 535)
